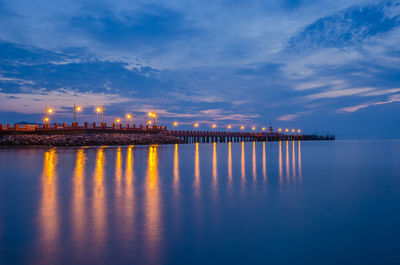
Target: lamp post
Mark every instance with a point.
(76, 108)
(174, 124)
(196, 125)
(242, 128)
(154, 115)
(214, 126)
(101, 109)
(263, 129)
(47, 111)
(253, 128)
(130, 117)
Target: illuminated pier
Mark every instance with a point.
(185, 136)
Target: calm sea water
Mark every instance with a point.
(295, 202)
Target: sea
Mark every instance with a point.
(288, 202)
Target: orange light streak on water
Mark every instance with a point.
(49, 220)
(79, 217)
(280, 163)
(152, 225)
(99, 220)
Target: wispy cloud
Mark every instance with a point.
(288, 117)
(381, 92)
(193, 96)
(353, 108)
(16, 81)
(332, 84)
(338, 93)
(392, 99)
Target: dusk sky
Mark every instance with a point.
(321, 66)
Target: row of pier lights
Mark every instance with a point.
(153, 120)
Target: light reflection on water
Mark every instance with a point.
(214, 168)
(280, 163)
(153, 208)
(230, 164)
(254, 163)
(152, 204)
(92, 218)
(287, 162)
(99, 209)
(128, 202)
(243, 166)
(197, 170)
(299, 157)
(49, 218)
(176, 169)
(78, 206)
(264, 161)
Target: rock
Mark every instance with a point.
(92, 139)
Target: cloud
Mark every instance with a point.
(392, 99)
(337, 84)
(347, 27)
(381, 92)
(288, 117)
(338, 93)
(16, 81)
(193, 96)
(353, 108)
(34, 102)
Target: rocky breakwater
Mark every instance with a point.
(93, 139)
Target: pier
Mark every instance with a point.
(184, 136)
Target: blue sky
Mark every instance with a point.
(321, 66)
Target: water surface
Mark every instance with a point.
(334, 202)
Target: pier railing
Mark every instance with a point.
(75, 127)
